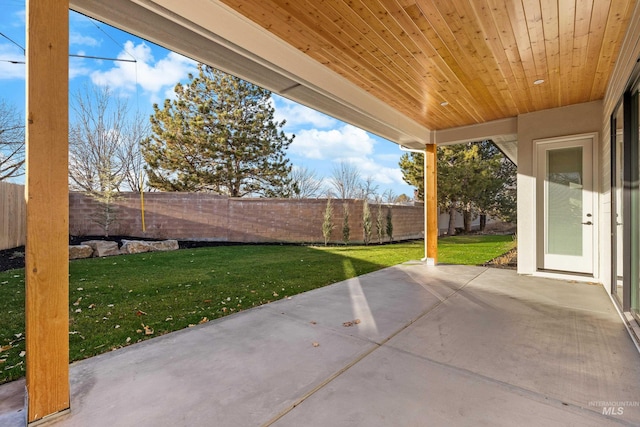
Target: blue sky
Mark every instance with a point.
(321, 141)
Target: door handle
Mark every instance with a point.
(588, 223)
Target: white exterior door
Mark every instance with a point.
(565, 204)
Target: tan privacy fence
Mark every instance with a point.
(13, 215)
(204, 216)
(198, 216)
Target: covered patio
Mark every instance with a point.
(440, 346)
(554, 83)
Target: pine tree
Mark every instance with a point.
(412, 167)
(219, 135)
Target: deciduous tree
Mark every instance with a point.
(346, 229)
(367, 222)
(380, 224)
(11, 141)
(104, 142)
(304, 183)
(327, 222)
(345, 181)
(104, 149)
(473, 178)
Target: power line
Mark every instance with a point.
(124, 49)
(102, 58)
(24, 52)
(13, 41)
(11, 61)
(111, 38)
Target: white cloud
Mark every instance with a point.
(170, 93)
(298, 116)
(79, 39)
(77, 67)
(382, 175)
(8, 70)
(390, 157)
(340, 143)
(347, 143)
(153, 77)
(21, 18)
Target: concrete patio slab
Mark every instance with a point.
(394, 388)
(564, 340)
(445, 345)
(383, 302)
(12, 403)
(243, 371)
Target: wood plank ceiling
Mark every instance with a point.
(481, 57)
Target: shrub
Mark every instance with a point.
(346, 230)
(366, 223)
(327, 223)
(380, 223)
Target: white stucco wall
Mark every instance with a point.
(556, 122)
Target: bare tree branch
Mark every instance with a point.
(11, 142)
(104, 150)
(305, 183)
(345, 181)
(104, 153)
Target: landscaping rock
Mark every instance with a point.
(80, 251)
(165, 245)
(140, 246)
(102, 248)
(135, 247)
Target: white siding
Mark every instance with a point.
(557, 122)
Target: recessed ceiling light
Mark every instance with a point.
(538, 82)
(444, 103)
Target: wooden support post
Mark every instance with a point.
(47, 196)
(431, 201)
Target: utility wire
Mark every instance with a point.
(24, 52)
(124, 49)
(11, 61)
(102, 57)
(13, 41)
(111, 38)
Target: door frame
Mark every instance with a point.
(538, 213)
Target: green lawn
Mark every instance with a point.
(121, 300)
(474, 249)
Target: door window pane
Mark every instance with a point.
(564, 201)
(617, 219)
(634, 137)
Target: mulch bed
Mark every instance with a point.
(508, 260)
(14, 258)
